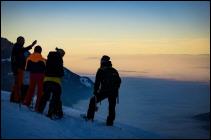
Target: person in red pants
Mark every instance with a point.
(18, 61)
(35, 63)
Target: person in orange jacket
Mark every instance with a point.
(35, 64)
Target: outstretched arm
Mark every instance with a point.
(30, 46)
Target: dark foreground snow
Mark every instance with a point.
(21, 123)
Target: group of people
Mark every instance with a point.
(47, 76)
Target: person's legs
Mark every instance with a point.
(111, 115)
(31, 89)
(16, 90)
(58, 112)
(14, 95)
(47, 87)
(56, 90)
(20, 82)
(39, 79)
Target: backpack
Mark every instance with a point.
(54, 65)
(110, 79)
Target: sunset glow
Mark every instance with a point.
(88, 30)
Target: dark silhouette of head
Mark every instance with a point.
(105, 61)
(60, 51)
(38, 49)
(105, 58)
(20, 41)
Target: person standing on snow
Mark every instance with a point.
(35, 64)
(18, 61)
(52, 84)
(106, 85)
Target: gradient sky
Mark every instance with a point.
(91, 29)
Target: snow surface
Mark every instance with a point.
(22, 123)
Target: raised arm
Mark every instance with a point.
(30, 46)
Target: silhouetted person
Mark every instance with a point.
(52, 84)
(35, 64)
(18, 61)
(106, 85)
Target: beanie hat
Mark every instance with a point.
(60, 51)
(105, 58)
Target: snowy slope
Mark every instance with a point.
(21, 123)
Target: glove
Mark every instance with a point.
(33, 43)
